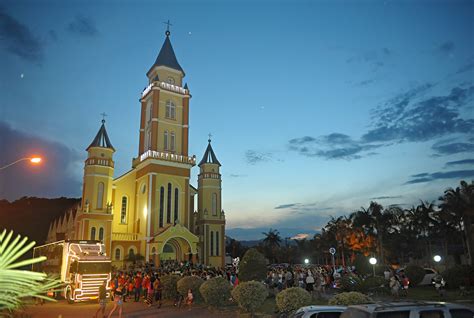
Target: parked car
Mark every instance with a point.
(319, 312)
(430, 273)
(408, 310)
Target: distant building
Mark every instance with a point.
(150, 209)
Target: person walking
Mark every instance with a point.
(102, 299)
(157, 290)
(118, 302)
(149, 292)
(138, 286)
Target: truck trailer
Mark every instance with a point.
(82, 266)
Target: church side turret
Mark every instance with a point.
(211, 218)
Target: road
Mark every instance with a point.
(62, 309)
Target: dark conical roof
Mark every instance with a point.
(101, 139)
(166, 57)
(209, 156)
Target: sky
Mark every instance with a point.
(316, 108)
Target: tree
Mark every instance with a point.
(253, 266)
(272, 242)
(461, 202)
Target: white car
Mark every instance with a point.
(427, 279)
(319, 312)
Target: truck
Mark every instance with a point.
(81, 265)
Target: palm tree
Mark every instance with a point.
(272, 241)
(461, 202)
(17, 286)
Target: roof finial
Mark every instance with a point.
(167, 27)
(103, 117)
(210, 136)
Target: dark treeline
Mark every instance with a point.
(392, 234)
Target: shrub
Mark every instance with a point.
(362, 265)
(350, 298)
(253, 266)
(190, 282)
(292, 298)
(372, 283)
(350, 283)
(250, 295)
(216, 291)
(457, 276)
(415, 274)
(169, 286)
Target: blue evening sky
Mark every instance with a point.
(315, 107)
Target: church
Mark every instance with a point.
(150, 210)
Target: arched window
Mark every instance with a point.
(212, 243)
(100, 195)
(117, 254)
(101, 233)
(165, 140)
(168, 205)
(176, 206)
(131, 253)
(93, 233)
(162, 203)
(214, 204)
(172, 141)
(217, 243)
(170, 109)
(123, 211)
(148, 112)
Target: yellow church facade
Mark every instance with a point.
(150, 210)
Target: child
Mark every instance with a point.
(189, 298)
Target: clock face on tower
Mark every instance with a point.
(170, 80)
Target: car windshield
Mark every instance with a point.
(94, 267)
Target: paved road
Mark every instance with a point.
(61, 309)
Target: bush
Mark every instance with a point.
(362, 265)
(216, 291)
(169, 286)
(415, 274)
(250, 295)
(350, 283)
(253, 266)
(190, 282)
(292, 298)
(350, 298)
(458, 276)
(372, 283)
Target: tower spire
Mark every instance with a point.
(102, 138)
(209, 155)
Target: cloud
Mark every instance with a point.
(332, 146)
(446, 48)
(232, 175)
(374, 58)
(285, 206)
(17, 39)
(455, 174)
(460, 162)
(301, 236)
(450, 146)
(55, 176)
(83, 26)
(253, 157)
(465, 68)
(366, 82)
(387, 197)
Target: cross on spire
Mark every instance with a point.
(210, 136)
(168, 24)
(103, 117)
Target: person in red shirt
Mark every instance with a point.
(138, 287)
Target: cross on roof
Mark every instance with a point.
(210, 136)
(167, 26)
(103, 117)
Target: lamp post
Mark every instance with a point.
(373, 261)
(33, 160)
(306, 261)
(437, 258)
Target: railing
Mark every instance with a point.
(100, 162)
(166, 86)
(168, 157)
(124, 236)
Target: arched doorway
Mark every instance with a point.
(176, 248)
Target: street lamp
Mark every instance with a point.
(437, 258)
(306, 261)
(373, 261)
(34, 160)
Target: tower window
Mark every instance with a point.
(93, 233)
(117, 254)
(168, 205)
(217, 243)
(214, 204)
(101, 233)
(172, 141)
(123, 211)
(100, 195)
(176, 199)
(212, 243)
(131, 253)
(170, 109)
(166, 140)
(162, 198)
